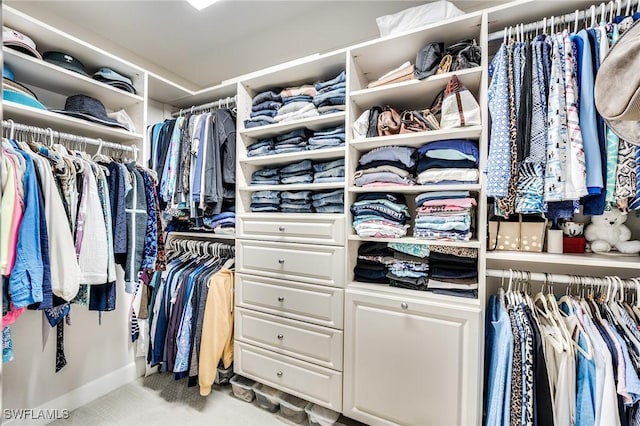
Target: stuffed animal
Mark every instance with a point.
(608, 231)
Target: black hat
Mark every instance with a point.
(65, 60)
(88, 108)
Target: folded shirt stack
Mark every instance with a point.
(301, 172)
(331, 94)
(298, 103)
(444, 215)
(261, 147)
(327, 138)
(384, 166)
(397, 264)
(264, 107)
(293, 141)
(451, 161)
(402, 73)
(370, 264)
(298, 201)
(383, 215)
(453, 271)
(328, 202)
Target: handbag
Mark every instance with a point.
(427, 60)
(459, 107)
(465, 54)
(372, 129)
(517, 236)
(416, 121)
(388, 122)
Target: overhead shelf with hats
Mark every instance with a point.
(52, 79)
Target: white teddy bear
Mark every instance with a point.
(608, 231)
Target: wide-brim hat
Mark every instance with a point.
(88, 108)
(18, 41)
(21, 98)
(617, 86)
(66, 61)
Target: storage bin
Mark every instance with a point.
(243, 388)
(267, 397)
(292, 408)
(223, 375)
(320, 416)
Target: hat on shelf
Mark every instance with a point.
(66, 61)
(20, 42)
(617, 87)
(13, 91)
(88, 108)
(115, 79)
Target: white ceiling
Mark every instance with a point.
(226, 40)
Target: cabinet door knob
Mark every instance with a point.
(279, 373)
(280, 337)
(281, 299)
(281, 229)
(281, 261)
(404, 305)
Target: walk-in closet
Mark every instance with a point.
(241, 212)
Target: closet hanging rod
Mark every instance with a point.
(13, 126)
(570, 19)
(555, 278)
(227, 102)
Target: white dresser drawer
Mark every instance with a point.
(324, 265)
(321, 229)
(317, 384)
(308, 342)
(307, 302)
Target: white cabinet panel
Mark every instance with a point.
(316, 230)
(307, 302)
(323, 265)
(313, 343)
(411, 361)
(316, 384)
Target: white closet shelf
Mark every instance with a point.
(415, 94)
(294, 187)
(201, 235)
(587, 259)
(417, 140)
(386, 289)
(316, 154)
(41, 118)
(34, 72)
(312, 123)
(290, 216)
(417, 189)
(474, 243)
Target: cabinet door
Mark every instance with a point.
(411, 361)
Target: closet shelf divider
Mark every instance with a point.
(312, 123)
(316, 154)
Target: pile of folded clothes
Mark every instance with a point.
(261, 147)
(222, 223)
(383, 215)
(265, 201)
(297, 104)
(328, 202)
(453, 271)
(387, 165)
(329, 171)
(264, 107)
(327, 138)
(298, 201)
(293, 141)
(330, 94)
(444, 215)
(295, 202)
(301, 172)
(403, 265)
(451, 161)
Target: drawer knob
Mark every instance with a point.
(281, 299)
(281, 261)
(404, 305)
(280, 337)
(279, 373)
(281, 229)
